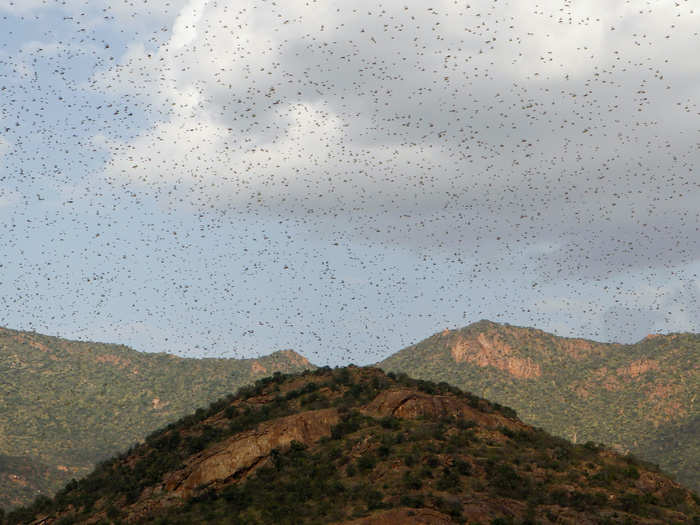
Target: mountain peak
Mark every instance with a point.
(638, 397)
(293, 357)
(484, 323)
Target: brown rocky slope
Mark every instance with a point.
(358, 446)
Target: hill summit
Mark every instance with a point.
(358, 446)
(638, 398)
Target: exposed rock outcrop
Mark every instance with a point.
(409, 404)
(239, 455)
(637, 368)
(492, 351)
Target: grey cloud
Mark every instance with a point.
(473, 130)
(674, 310)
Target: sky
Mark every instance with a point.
(227, 179)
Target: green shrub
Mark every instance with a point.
(449, 481)
(412, 501)
(366, 463)
(350, 470)
(374, 499)
(411, 481)
(349, 423)
(463, 467)
(509, 484)
(389, 422)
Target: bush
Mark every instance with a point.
(465, 424)
(390, 423)
(506, 432)
(412, 501)
(509, 484)
(348, 424)
(449, 481)
(366, 463)
(462, 439)
(342, 377)
(374, 499)
(630, 502)
(463, 467)
(411, 481)
(610, 473)
(426, 472)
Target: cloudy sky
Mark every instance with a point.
(229, 178)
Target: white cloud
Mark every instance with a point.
(307, 156)
(185, 27)
(556, 125)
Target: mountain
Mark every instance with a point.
(64, 405)
(358, 446)
(635, 397)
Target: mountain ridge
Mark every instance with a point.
(68, 404)
(485, 365)
(625, 395)
(358, 446)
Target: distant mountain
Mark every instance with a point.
(23, 478)
(637, 397)
(358, 447)
(64, 405)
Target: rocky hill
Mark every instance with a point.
(356, 446)
(64, 405)
(638, 398)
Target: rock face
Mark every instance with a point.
(409, 404)
(239, 455)
(491, 351)
(638, 367)
(296, 359)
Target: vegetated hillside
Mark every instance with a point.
(356, 446)
(639, 397)
(23, 478)
(64, 405)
